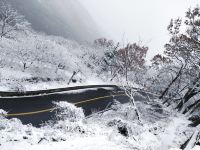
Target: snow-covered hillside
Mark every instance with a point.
(44, 61)
(33, 61)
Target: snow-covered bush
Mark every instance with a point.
(68, 119)
(69, 122)
(69, 112)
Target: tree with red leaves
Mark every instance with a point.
(131, 58)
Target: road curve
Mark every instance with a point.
(37, 109)
(49, 91)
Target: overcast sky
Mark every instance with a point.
(134, 20)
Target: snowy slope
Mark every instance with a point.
(50, 62)
(116, 129)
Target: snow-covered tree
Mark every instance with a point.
(131, 59)
(10, 19)
(181, 67)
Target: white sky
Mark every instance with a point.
(134, 20)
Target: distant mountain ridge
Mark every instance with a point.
(67, 18)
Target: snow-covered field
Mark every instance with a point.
(116, 129)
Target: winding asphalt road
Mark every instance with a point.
(39, 108)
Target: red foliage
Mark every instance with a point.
(133, 55)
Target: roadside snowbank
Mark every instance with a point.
(116, 129)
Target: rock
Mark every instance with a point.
(195, 120)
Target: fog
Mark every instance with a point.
(66, 18)
(120, 20)
(138, 20)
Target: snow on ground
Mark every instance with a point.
(4, 88)
(78, 143)
(45, 62)
(12, 80)
(9, 73)
(116, 129)
(195, 148)
(174, 130)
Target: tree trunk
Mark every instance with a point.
(70, 80)
(190, 143)
(190, 93)
(195, 107)
(24, 66)
(185, 99)
(3, 28)
(191, 106)
(130, 94)
(172, 82)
